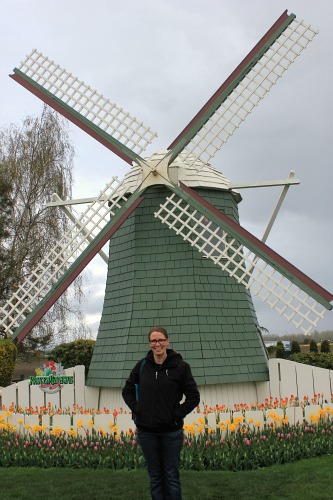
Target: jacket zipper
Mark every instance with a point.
(153, 400)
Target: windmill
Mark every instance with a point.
(178, 255)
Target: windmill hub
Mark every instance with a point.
(155, 170)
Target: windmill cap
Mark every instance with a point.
(195, 174)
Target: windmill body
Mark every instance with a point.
(178, 255)
(154, 277)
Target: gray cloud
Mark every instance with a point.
(161, 61)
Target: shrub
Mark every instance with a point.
(322, 360)
(325, 346)
(280, 350)
(313, 346)
(7, 361)
(74, 353)
(295, 347)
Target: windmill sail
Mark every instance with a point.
(243, 90)
(251, 262)
(245, 262)
(98, 116)
(65, 261)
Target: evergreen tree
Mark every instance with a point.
(313, 346)
(325, 346)
(280, 350)
(295, 347)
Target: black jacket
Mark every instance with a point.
(161, 388)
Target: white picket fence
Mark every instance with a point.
(286, 378)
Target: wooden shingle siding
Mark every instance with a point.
(156, 278)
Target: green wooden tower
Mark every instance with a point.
(157, 278)
(178, 255)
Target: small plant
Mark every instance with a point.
(313, 346)
(8, 353)
(280, 350)
(325, 346)
(295, 347)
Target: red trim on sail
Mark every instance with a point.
(262, 246)
(50, 102)
(232, 77)
(61, 289)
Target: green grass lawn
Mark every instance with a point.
(306, 479)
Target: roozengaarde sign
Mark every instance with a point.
(51, 377)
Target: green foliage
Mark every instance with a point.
(74, 353)
(325, 346)
(322, 360)
(313, 346)
(7, 361)
(280, 350)
(295, 347)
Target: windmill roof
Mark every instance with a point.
(194, 175)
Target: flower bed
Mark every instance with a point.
(217, 439)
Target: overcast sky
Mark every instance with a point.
(161, 61)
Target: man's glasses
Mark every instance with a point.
(157, 341)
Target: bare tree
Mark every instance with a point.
(36, 160)
(5, 209)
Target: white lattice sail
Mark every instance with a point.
(243, 264)
(87, 102)
(249, 92)
(62, 255)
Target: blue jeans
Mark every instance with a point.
(162, 454)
